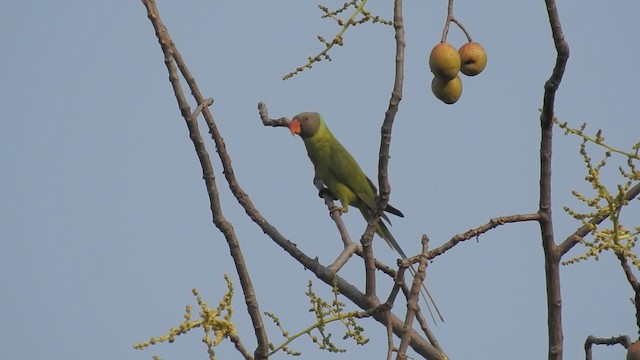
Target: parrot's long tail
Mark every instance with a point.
(384, 233)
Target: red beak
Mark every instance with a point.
(294, 127)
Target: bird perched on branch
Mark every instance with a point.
(343, 178)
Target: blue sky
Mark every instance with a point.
(105, 220)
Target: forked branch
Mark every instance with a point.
(552, 255)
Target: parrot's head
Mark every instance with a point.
(305, 124)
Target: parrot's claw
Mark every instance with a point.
(324, 191)
(339, 209)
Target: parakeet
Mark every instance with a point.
(339, 172)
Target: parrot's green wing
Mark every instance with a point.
(347, 171)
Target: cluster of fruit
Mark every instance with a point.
(445, 63)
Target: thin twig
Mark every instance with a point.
(425, 292)
(427, 331)
(412, 301)
(198, 110)
(421, 278)
(398, 283)
(350, 247)
(336, 214)
(344, 256)
(452, 19)
(464, 30)
(622, 340)
(447, 23)
(390, 345)
(633, 281)
(631, 278)
(235, 339)
(476, 232)
(267, 121)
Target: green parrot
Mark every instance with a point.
(339, 172)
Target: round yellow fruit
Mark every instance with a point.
(444, 61)
(448, 91)
(473, 58)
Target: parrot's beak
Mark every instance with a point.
(294, 127)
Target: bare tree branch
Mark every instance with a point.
(452, 19)
(427, 331)
(476, 232)
(387, 124)
(389, 338)
(551, 254)
(622, 340)
(335, 213)
(398, 284)
(383, 158)
(635, 285)
(267, 121)
(412, 301)
(631, 278)
(235, 339)
(344, 256)
(171, 54)
(206, 103)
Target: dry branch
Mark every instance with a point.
(476, 232)
(551, 254)
(591, 340)
(172, 59)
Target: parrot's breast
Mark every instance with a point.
(323, 150)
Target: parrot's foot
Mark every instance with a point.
(337, 208)
(324, 191)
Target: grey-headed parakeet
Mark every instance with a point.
(339, 172)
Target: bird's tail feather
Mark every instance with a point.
(384, 233)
